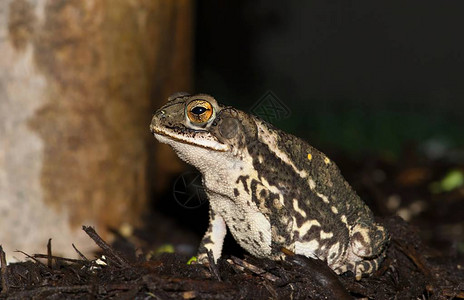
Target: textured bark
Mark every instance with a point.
(79, 80)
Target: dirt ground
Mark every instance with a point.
(425, 258)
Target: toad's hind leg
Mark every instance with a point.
(367, 247)
(368, 240)
(366, 267)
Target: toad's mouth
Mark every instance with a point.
(188, 136)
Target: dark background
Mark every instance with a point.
(377, 86)
(356, 76)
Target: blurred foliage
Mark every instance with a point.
(383, 132)
(166, 248)
(357, 128)
(452, 180)
(192, 260)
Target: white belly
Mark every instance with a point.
(249, 227)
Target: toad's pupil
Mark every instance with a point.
(198, 110)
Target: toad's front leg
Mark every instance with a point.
(213, 238)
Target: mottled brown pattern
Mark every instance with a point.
(101, 59)
(21, 22)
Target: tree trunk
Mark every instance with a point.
(79, 80)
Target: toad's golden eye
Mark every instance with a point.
(199, 111)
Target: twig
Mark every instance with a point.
(254, 269)
(105, 247)
(49, 254)
(61, 258)
(271, 289)
(33, 258)
(189, 295)
(4, 274)
(212, 266)
(414, 256)
(82, 256)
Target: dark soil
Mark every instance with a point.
(425, 258)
